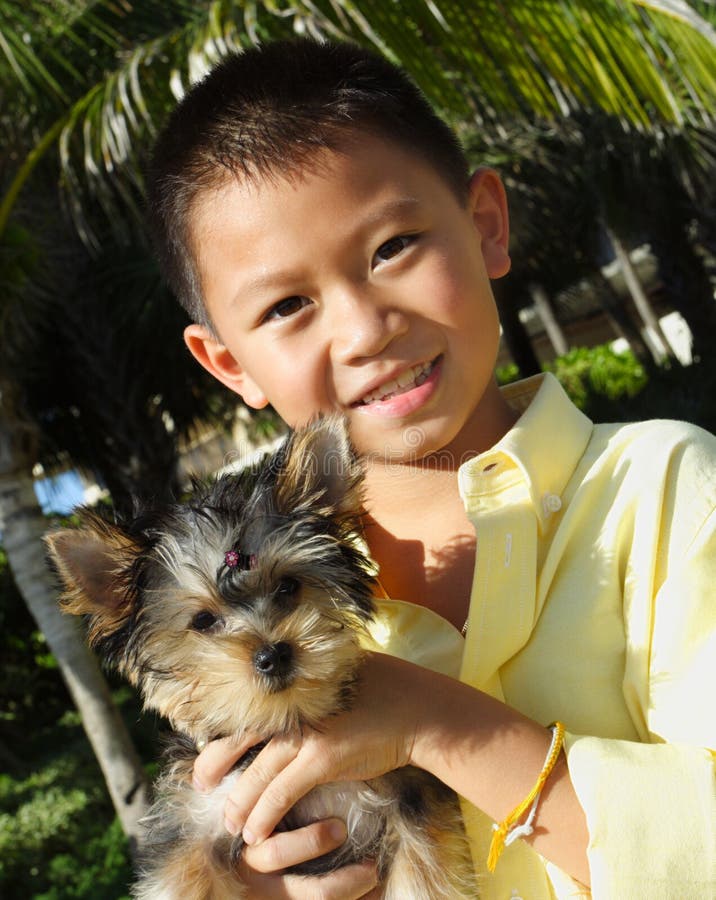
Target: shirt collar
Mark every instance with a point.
(545, 445)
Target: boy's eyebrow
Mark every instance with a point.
(395, 207)
(391, 209)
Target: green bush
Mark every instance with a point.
(615, 387)
(58, 835)
(59, 838)
(507, 374)
(101, 869)
(588, 371)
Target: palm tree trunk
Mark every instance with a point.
(22, 525)
(638, 294)
(545, 309)
(620, 319)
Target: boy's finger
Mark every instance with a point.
(249, 787)
(289, 848)
(217, 758)
(349, 883)
(281, 793)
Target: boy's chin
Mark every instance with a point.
(401, 445)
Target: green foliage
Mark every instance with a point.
(18, 257)
(507, 374)
(615, 387)
(59, 838)
(586, 371)
(674, 392)
(101, 78)
(55, 841)
(101, 871)
(594, 377)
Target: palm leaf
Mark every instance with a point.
(39, 43)
(646, 62)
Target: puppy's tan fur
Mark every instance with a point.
(268, 645)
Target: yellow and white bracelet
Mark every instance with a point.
(508, 830)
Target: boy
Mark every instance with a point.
(320, 225)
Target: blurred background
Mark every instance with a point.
(599, 115)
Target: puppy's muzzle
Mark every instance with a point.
(274, 661)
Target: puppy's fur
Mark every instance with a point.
(243, 610)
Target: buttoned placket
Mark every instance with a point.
(502, 612)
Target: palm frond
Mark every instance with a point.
(649, 63)
(646, 62)
(45, 48)
(18, 58)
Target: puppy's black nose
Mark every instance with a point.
(274, 660)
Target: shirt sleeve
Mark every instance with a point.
(651, 807)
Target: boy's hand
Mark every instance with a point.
(374, 737)
(407, 715)
(261, 867)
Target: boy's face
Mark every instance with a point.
(360, 286)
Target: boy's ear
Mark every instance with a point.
(219, 362)
(488, 206)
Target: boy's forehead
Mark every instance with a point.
(376, 177)
(288, 175)
(274, 235)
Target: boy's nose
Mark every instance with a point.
(364, 326)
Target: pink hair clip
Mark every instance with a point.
(231, 558)
(234, 560)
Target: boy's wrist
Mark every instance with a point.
(463, 730)
(443, 722)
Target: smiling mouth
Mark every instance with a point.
(405, 382)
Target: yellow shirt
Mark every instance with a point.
(594, 602)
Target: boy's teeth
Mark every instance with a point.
(408, 379)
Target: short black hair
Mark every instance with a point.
(274, 108)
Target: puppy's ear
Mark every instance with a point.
(93, 563)
(320, 469)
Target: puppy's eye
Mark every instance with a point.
(287, 587)
(204, 620)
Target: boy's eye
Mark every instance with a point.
(289, 306)
(392, 248)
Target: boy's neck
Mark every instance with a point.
(418, 533)
(416, 525)
(490, 422)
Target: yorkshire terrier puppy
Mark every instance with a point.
(245, 609)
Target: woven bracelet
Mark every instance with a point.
(509, 830)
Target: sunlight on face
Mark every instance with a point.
(362, 287)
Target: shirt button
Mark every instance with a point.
(551, 503)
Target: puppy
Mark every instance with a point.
(245, 609)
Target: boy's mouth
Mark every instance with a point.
(406, 381)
